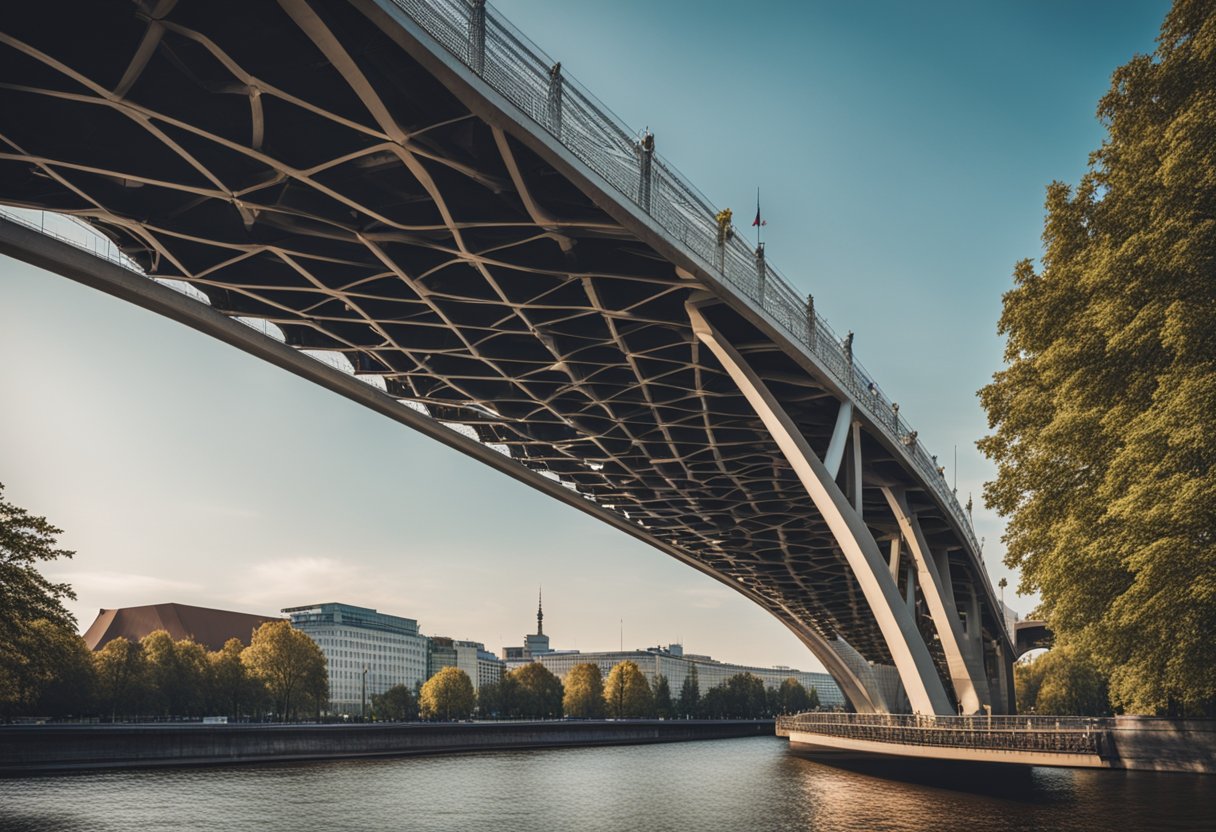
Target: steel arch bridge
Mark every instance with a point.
(414, 189)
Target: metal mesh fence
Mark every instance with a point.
(479, 36)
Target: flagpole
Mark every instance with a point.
(758, 224)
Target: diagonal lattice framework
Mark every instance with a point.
(301, 168)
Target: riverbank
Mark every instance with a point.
(51, 748)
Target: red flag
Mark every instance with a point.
(757, 221)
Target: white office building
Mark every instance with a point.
(362, 646)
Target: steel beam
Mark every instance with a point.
(903, 640)
(969, 680)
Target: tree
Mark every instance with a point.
(286, 661)
(745, 697)
(233, 691)
(498, 699)
(584, 694)
(49, 673)
(1102, 425)
(792, 697)
(178, 674)
(1063, 681)
(397, 704)
(690, 694)
(447, 695)
(627, 693)
(26, 597)
(538, 692)
(121, 677)
(662, 697)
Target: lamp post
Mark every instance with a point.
(363, 703)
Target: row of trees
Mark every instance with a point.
(282, 672)
(534, 692)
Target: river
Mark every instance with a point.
(742, 785)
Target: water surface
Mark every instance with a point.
(739, 785)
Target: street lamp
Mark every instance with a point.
(363, 704)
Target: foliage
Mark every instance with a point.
(25, 595)
(288, 662)
(121, 677)
(397, 704)
(233, 691)
(741, 696)
(497, 699)
(538, 692)
(627, 693)
(447, 695)
(1063, 681)
(793, 698)
(690, 695)
(584, 692)
(49, 673)
(663, 708)
(179, 675)
(1102, 418)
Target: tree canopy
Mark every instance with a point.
(447, 695)
(397, 704)
(288, 662)
(538, 693)
(584, 692)
(627, 693)
(1063, 681)
(1102, 418)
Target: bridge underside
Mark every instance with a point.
(298, 165)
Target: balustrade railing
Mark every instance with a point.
(480, 37)
(1060, 735)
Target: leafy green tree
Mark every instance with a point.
(1063, 681)
(714, 704)
(178, 674)
(538, 692)
(233, 691)
(584, 692)
(627, 693)
(447, 695)
(1102, 418)
(397, 704)
(792, 697)
(745, 697)
(50, 675)
(690, 694)
(287, 662)
(498, 699)
(122, 675)
(663, 707)
(26, 597)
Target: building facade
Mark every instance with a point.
(363, 647)
(672, 662)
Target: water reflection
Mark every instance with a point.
(750, 784)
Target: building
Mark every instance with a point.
(535, 644)
(210, 628)
(672, 662)
(363, 646)
(480, 665)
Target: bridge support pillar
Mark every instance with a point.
(908, 650)
(968, 678)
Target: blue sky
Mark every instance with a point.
(902, 151)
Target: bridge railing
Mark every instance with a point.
(480, 37)
(1058, 735)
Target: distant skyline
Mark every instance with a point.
(902, 152)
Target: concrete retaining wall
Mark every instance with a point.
(1150, 743)
(29, 749)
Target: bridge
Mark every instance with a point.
(409, 203)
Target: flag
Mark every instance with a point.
(757, 222)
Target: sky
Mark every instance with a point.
(902, 151)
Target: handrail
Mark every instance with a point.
(477, 35)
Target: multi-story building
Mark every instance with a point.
(672, 662)
(363, 646)
(481, 666)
